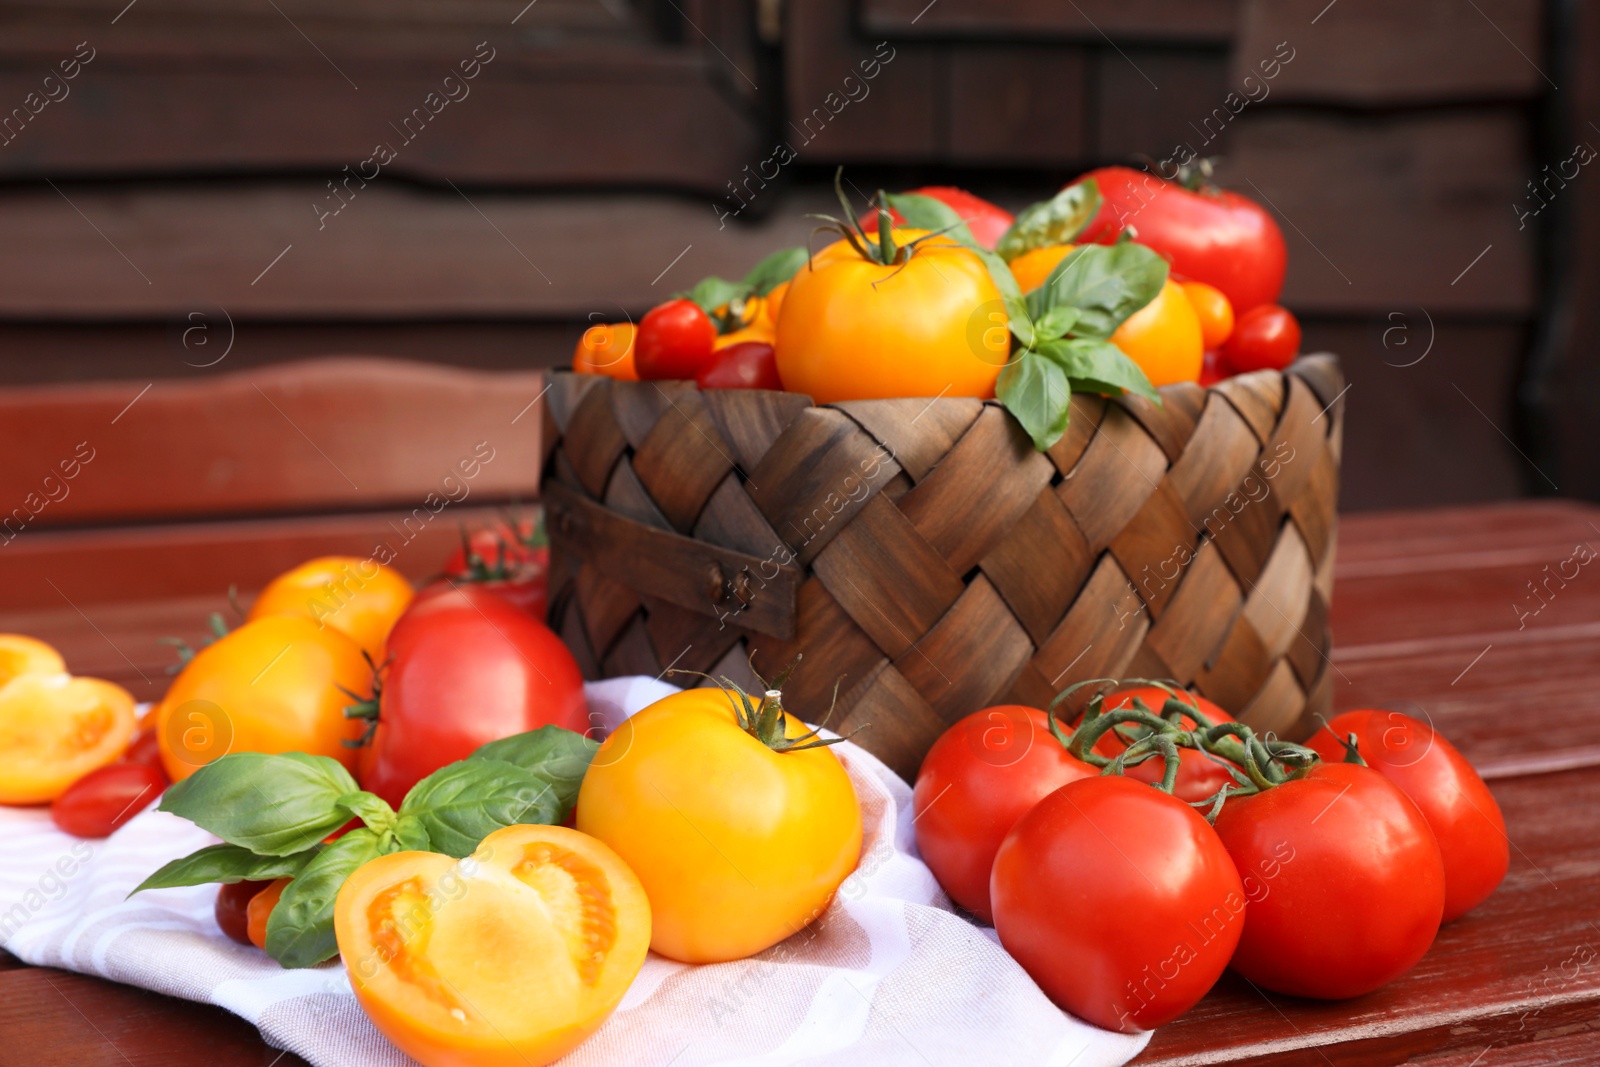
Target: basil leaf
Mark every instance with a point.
(1106, 283)
(273, 805)
(1055, 323)
(1099, 367)
(1056, 221)
(409, 836)
(369, 808)
(300, 928)
(560, 757)
(713, 292)
(774, 270)
(461, 803)
(225, 864)
(1035, 390)
(936, 216)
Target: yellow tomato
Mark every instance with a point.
(360, 598)
(851, 329)
(272, 685)
(54, 730)
(771, 304)
(1033, 267)
(1164, 338)
(607, 348)
(738, 845)
(754, 332)
(1214, 310)
(508, 958)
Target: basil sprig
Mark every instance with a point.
(1056, 221)
(714, 292)
(273, 813)
(1062, 329)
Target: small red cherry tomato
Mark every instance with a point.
(1213, 369)
(146, 749)
(675, 341)
(1118, 900)
(1459, 808)
(1264, 338)
(1344, 880)
(978, 779)
(746, 365)
(233, 904)
(102, 800)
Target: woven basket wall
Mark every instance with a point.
(924, 553)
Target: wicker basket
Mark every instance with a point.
(926, 555)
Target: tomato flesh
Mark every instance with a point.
(21, 654)
(511, 956)
(55, 729)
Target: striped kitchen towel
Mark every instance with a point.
(888, 975)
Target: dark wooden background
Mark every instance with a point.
(158, 212)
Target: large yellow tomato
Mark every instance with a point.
(508, 958)
(361, 598)
(738, 844)
(1164, 337)
(852, 329)
(1033, 267)
(272, 685)
(54, 730)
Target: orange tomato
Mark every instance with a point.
(771, 304)
(20, 654)
(259, 910)
(1164, 338)
(360, 598)
(1033, 267)
(1214, 310)
(54, 730)
(738, 845)
(507, 958)
(852, 329)
(272, 685)
(607, 348)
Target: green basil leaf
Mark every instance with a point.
(1056, 221)
(300, 928)
(225, 864)
(713, 292)
(774, 270)
(273, 805)
(1055, 323)
(461, 803)
(1099, 367)
(1035, 390)
(369, 808)
(560, 757)
(1106, 283)
(926, 213)
(409, 835)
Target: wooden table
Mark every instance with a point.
(1459, 616)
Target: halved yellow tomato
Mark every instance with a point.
(508, 958)
(21, 654)
(360, 598)
(1164, 337)
(272, 685)
(55, 729)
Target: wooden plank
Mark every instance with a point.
(397, 252)
(1019, 105)
(332, 433)
(1185, 21)
(1379, 215)
(1144, 100)
(1388, 53)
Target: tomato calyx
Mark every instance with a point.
(219, 629)
(365, 707)
(1253, 762)
(880, 248)
(767, 719)
(511, 554)
(1352, 748)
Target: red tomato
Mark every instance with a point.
(468, 668)
(746, 365)
(1264, 338)
(507, 561)
(674, 341)
(978, 779)
(233, 908)
(1344, 879)
(102, 800)
(1118, 900)
(987, 222)
(146, 749)
(1199, 775)
(1213, 369)
(1213, 236)
(1459, 808)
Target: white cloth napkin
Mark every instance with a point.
(888, 975)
